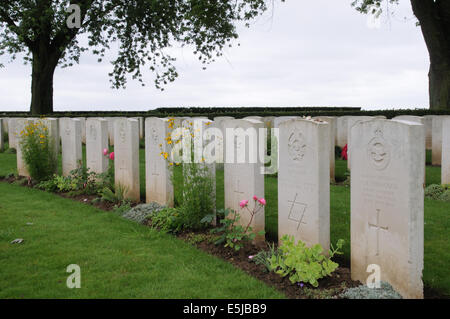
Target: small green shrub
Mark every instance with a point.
(114, 195)
(195, 239)
(445, 197)
(140, 213)
(50, 185)
(197, 201)
(304, 264)
(37, 151)
(364, 292)
(434, 191)
(264, 256)
(122, 208)
(166, 219)
(80, 182)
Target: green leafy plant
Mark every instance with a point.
(434, 191)
(122, 208)
(438, 192)
(264, 256)
(50, 185)
(195, 239)
(114, 195)
(37, 151)
(198, 200)
(304, 264)
(166, 220)
(231, 234)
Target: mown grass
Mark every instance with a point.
(118, 258)
(437, 219)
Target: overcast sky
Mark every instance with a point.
(304, 53)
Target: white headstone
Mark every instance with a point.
(72, 154)
(446, 151)
(52, 125)
(159, 187)
(111, 121)
(96, 142)
(331, 120)
(141, 128)
(126, 152)
(436, 152)
(219, 123)
(304, 182)
(5, 124)
(278, 120)
(410, 118)
(342, 130)
(387, 203)
(243, 178)
(13, 132)
(83, 128)
(256, 118)
(428, 122)
(351, 122)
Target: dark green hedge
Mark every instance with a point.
(241, 112)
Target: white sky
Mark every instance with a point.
(309, 53)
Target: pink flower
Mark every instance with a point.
(111, 156)
(243, 203)
(105, 152)
(255, 198)
(251, 257)
(262, 201)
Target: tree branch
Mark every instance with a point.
(14, 28)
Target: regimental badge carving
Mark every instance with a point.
(378, 151)
(122, 132)
(68, 130)
(297, 146)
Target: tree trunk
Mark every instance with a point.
(434, 18)
(439, 86)
(42, 84)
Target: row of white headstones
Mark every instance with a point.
(387, 177)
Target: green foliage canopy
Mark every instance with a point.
(143, 29)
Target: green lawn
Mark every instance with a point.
(437, 219)
(118, 258)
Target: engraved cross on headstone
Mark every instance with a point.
(297, 214)
(378, 227)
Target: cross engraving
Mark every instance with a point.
(297, 211)
(378, 227)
